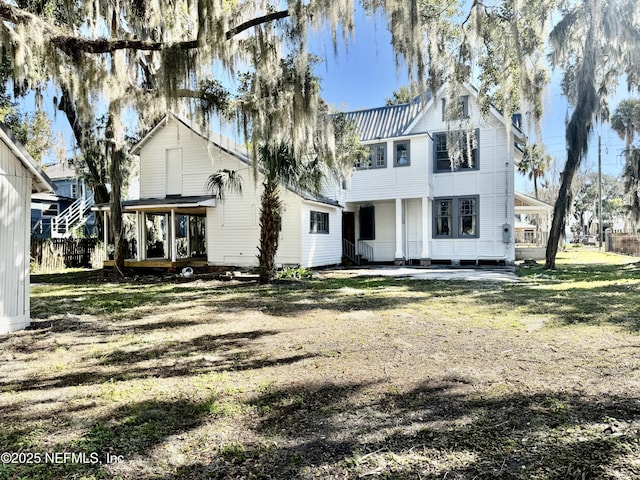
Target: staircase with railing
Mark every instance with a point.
(71, 218)
(357, 254)
(365, 251)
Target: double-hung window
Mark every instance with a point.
(401, 152)
(456, 151)
(319, 222)
(456, 217)
(377, 157)
(461, 110)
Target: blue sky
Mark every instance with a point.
(364, 74)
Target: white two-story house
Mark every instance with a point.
(407, 202)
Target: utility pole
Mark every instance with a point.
(599, 192)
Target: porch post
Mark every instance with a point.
(425, 260)
(172, 238)
(399, 255)
(140, 225)
(143, 235)
(105, 233)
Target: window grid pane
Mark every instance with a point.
(319, 222)
(380, 160)
(466, 161)
(402, 154)
(468, 216)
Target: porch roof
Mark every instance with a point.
(170, 203)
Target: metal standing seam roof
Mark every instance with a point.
(385, 122)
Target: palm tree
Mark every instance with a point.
(279, 167)
(626, 122)
(594, 43)
(534, 163)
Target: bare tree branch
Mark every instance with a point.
(72, 45)
(257, 21)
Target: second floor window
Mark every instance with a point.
(456, 151)
(377, 157)
(401, 156)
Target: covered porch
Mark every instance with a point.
(386, 231)
(531, 227)
(167, 233)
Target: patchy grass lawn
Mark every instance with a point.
(337, 377)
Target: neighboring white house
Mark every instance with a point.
(406, 204)
(177, 221)
(19, 177)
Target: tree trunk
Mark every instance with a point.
(578, 132)
(270, 226)
(93, 159)
(117, 227)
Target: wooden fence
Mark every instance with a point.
(626, 244)
(58, 253)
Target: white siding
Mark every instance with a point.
(198, 161)
(233, 226)
(290, 248)
(394, 182)
(15, 200)
(493, 183)
(413, 228)
(321, 248)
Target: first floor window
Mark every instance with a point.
(319, 222)
(456, 217)
(443, 218)
(467, 217)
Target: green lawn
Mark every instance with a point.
(336, 377)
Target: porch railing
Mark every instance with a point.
(349, 251)
(365, 251)
(357, 253)
(525, 238)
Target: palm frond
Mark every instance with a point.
(224, 181)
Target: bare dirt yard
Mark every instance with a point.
(337, 377)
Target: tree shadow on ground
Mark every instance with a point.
(207, 353)
(129, 430)
(612, 304)
(125, 303)
(434, 432)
